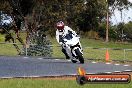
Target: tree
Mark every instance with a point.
(84, 15)
(20, 10)
(128, 31)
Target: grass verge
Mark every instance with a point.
(49, 83)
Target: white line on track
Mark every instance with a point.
(6, 77)
(91, 73)
(94, 62)
(73, 74)
(25, 57)
(107, 63)
(40, 58)
(108, 72)
(32, 76)
(117, 64)
(126, 65)
(57, 59)
(117, 71)
(128, 70)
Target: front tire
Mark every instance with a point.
(79, 55)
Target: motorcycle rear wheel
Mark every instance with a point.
(74, 61)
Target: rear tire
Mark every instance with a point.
(79, 55)
(74, 61)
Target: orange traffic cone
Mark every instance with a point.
(107, 57)
(81, 71)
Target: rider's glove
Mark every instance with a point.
(63, 45)
(60, 43)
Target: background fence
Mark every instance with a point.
(8, 49)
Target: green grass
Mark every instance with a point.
(47, 83)
(1, 37)
(8, 50)
(42, 83)
(101, 44)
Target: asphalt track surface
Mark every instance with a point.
(42, 67)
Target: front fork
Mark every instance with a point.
(79, 46)
(74, 53)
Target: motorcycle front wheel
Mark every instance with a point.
(79, 55)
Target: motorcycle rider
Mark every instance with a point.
(63, 31)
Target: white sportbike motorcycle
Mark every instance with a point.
(73, 48)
